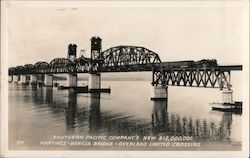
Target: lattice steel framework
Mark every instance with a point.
(115, 59)
(216, 77)
(20, 69)
(28, 69)
(12, 71)
(58, 65)
(82, 64)
(128, 58)
(41, 68)
(62, 65)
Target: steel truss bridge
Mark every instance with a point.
(134, 59)
(210, 77)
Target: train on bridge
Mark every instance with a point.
(190, 63)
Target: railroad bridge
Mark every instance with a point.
(128, 59)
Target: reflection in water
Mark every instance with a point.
(88, 115)
(48, 95)
(173, 124)
(71, 110)
(95, 121)
(160, 122)
(111, 123)
(225, 126)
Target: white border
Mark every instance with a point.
(4, 80)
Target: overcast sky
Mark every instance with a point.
(175, 33)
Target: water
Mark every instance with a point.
(38, 114)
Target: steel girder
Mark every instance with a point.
(82, 64)
(120, 58)
(62, 65)
(12, 71)
(193, 77)
(128, 57)
(28, 69)
(41, 67)
(19, 70)
(58, 65)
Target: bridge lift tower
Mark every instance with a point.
(95, 63)
(72, 74)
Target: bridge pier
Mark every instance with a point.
(48, 80)
(72, 80)
(227, 96)
(33, 79)
(23, 79)
(94, 82)
(159, 92)
(40, 79)
(15, 79)
(10, 79)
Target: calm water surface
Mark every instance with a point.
(39, 113)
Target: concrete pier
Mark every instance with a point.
(227, 96)
(10, 79)
(159, 92)
(15, 79)
(71, 80)
(94, 81)
(23, 79)
(33, 79)
(48, 80)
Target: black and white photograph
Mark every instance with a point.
(125, 79)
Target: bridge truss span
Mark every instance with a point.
(41, 68)
(82, 64)
(62, 65)
(115, 59)
(209, 77)
(128, 58)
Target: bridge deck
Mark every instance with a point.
(231, 67)
(222, 67)
(137, 68)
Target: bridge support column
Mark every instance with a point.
(227, 96)
(23, 79)
(48, 80)
(40, 79)
(15, 79)
(33, 79)
(159, 92)
(94, 82)
(10, 78)
(72, 80)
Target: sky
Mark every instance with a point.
(175, 33)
